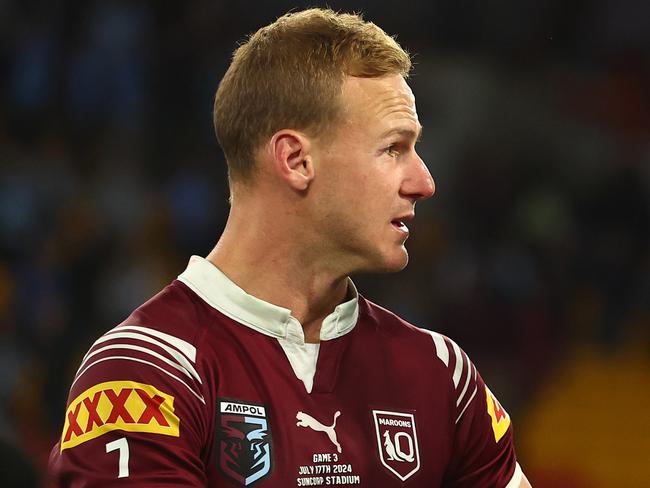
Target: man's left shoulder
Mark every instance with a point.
(403, 333)
(390, 323)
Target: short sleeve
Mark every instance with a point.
(483, 453)
(135, 415)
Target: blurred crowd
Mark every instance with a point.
(536, 129)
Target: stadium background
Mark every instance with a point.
(533, 255)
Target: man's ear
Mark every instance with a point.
(292, 160)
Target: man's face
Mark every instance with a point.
(369, 175)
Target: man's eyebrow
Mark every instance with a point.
(405, 132)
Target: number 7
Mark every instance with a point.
(123, 446)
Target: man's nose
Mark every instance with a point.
(418, 183)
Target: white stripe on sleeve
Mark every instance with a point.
(517, 478)
(458, 370)
(441, 348)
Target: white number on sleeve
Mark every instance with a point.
(123, 446)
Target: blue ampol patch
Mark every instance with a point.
(243, 441)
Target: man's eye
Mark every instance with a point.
(392, 150)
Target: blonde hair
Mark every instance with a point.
(288, 75)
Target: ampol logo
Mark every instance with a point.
(245, 454)
(397, 441)
(118, 405)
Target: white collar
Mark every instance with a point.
(220, 292)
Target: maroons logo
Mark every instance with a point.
(244, 442)
(397, 442)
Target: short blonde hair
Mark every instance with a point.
(288, 75)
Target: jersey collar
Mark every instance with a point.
(220, 292)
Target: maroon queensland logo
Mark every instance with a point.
(397, 441)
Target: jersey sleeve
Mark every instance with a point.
(135, 414)
(483, 453)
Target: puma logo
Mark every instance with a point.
(393, 455)
(305, 420)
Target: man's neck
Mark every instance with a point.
(279, 272)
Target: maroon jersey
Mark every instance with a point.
(205, 385)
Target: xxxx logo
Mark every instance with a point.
(118, 405)
(500, 418)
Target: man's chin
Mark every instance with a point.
(392, 263)
(400, 265)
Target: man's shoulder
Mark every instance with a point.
(418, 342)
(156, 348)
(417, 347)
(389, 322)
(175, 310)
(142, 377)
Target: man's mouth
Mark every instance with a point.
(400, 222)
(400, 225)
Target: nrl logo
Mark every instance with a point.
(244, 442)
(397, 441)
